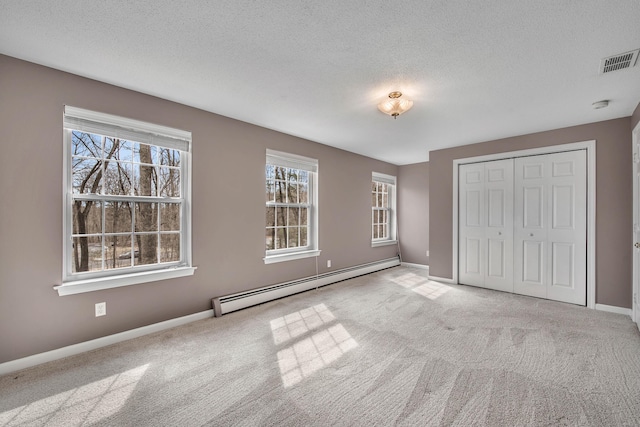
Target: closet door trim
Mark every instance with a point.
(590, 147)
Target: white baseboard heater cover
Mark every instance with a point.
(233, 302)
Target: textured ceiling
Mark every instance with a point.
(476, 70)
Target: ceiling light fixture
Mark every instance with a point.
(600, 104)
(394, 106)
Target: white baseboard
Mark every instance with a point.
(49, 356)
(410, 264)
(614, 309)
(442, 280)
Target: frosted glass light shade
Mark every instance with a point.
(394, 105)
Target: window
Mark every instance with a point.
(383, 209)
(291, 207)
(127, 188)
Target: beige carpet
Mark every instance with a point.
(390, 348)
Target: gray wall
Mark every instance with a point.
(413, 212)
(228, 214)
(613, 200)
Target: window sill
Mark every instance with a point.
(271, 259)
(376, 243)
(90, 285)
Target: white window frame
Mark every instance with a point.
(278, 158)
(391, 239)
(79, 119)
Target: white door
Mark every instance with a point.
(530, 223)
(486, 225)
(472, 222)
(550, 235)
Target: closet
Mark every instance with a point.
(523, 225)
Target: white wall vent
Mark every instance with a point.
(619, 62)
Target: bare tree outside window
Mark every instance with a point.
(287, 193)
(126, 203)
(380, 212)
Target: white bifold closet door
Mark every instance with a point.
(522, 225)
(486, 224)
(551, 226)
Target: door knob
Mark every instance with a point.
(637, 245)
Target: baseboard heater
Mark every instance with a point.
(233, 302)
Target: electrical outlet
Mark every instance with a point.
(328, 263)
(101, 309)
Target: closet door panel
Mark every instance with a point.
(499, 230)
(530, 226)
(486, 224)
(567, 234)
(550, 226)
(472, 222)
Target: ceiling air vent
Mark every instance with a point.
(619, 62)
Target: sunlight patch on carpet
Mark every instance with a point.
(312, 354)
(408, 280)
(431, 290)
(315, 348)
(83, 405)
(299, 323)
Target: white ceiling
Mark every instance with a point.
(476, 71)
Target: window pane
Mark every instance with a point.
(147, 245)
(87, 217)
(380, 200)
(145, 153)
(87, 145)
(85, 174)
(303, 237)
(385, 200)
(303, 193)
(145, 180)
(270, 238)
(166, 156)
(118, 251)
(281, 235)
(293, 176)
(281, 173)
(303, 177)
(281, 192)
(293, 237)
(146, 217)
(170, 216)
(122, 149)
(292, 193)
(281, 216)
(294, 217)
(271, 217)
(375, 231)
(117, 217)
(303, 216)
(269, 172)
(270, 191)
(169, 247)
(86, 254)
(385, 233)
(118, 178)
(168, 182)
(374, 198)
